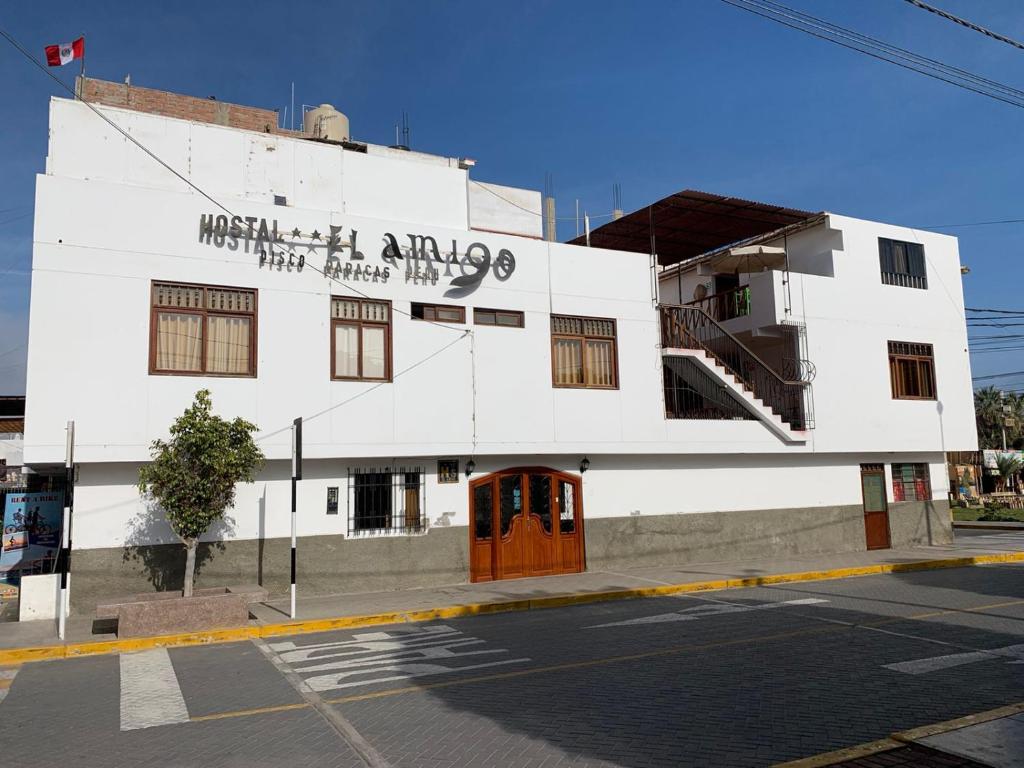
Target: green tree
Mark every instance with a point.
(193, 475)
(988, 414)
(1009, 466)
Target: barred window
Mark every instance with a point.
(360, 339)
(583, 352)
(911, 482)
(385, 500)
(911, 371)
(200, 329)
(902, 263)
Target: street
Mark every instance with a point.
(733, 678)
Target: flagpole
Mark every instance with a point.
(81, 87)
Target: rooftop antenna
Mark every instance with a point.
(405, 130)
(616, 201)
(293, 106)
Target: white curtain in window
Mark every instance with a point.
(373, 352)
(178, 342)
(568, 361)
(600, 366)
(346, 350)
(227, 344)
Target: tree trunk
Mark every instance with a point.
(190, 565)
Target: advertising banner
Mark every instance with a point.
(31, 533)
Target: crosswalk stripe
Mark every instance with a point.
(6, 679)
(150, 693)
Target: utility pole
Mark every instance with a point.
(296, 476)
(1005, 410)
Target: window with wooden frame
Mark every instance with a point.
(360, 339)
(583, 352)
(507, 318)
(911, 482)
(902, 263)
(911, 371)
(439, 313)
(202, 330)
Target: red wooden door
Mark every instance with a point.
(876, 506)
(525, 522)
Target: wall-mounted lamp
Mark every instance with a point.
(470, 466)
(584, 465)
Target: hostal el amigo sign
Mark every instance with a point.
(423, 259)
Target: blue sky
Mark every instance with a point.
(655, 96)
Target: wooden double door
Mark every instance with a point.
(526, 521)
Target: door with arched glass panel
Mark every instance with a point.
(525, 522)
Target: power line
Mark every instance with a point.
(137, 143)
(463, 332)
(974, 224)
(998, 376)
(965, 23)
(880, 50)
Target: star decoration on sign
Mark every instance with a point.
(315, 235)
(296, 233)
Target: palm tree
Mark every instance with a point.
(988, 411)
(1009, 466)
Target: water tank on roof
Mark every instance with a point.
(325, 122)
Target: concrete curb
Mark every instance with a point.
(986, 525)
(901, 739)
(307, 626)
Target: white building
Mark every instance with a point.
(519, 359)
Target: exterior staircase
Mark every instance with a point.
(780, 404)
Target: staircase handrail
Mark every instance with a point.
(797, 419)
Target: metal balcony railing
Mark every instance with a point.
(694, 328)
(725, 305)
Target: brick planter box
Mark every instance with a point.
(161, 613)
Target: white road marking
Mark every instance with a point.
(6, 680)
(379, 657)
(150, 693)
(934, 663)
(704, 611)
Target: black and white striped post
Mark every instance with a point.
(65, 540)
(296, 476)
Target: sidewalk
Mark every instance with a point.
(363, 609)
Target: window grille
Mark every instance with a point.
(386, 501)
(911, 482)
(902, 263)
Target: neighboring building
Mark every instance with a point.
(12, 434)
(452, 397)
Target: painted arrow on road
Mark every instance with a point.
(705, 611)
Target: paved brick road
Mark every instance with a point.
(735, 678)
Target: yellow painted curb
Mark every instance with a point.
(301, 627)
(842, 755)
(901, 739)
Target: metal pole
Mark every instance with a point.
(65, 542)
(296, 476)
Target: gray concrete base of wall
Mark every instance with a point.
(334, 564)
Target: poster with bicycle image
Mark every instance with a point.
(31, 533)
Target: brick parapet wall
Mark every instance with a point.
(180, 106)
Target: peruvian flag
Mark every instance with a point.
(65, 53)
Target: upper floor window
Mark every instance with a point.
(440, 313)
(910, 482)
(360, 339)
(902, 263)
(202, 330)
(911, 371)
(583, 352)
(509, 318)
